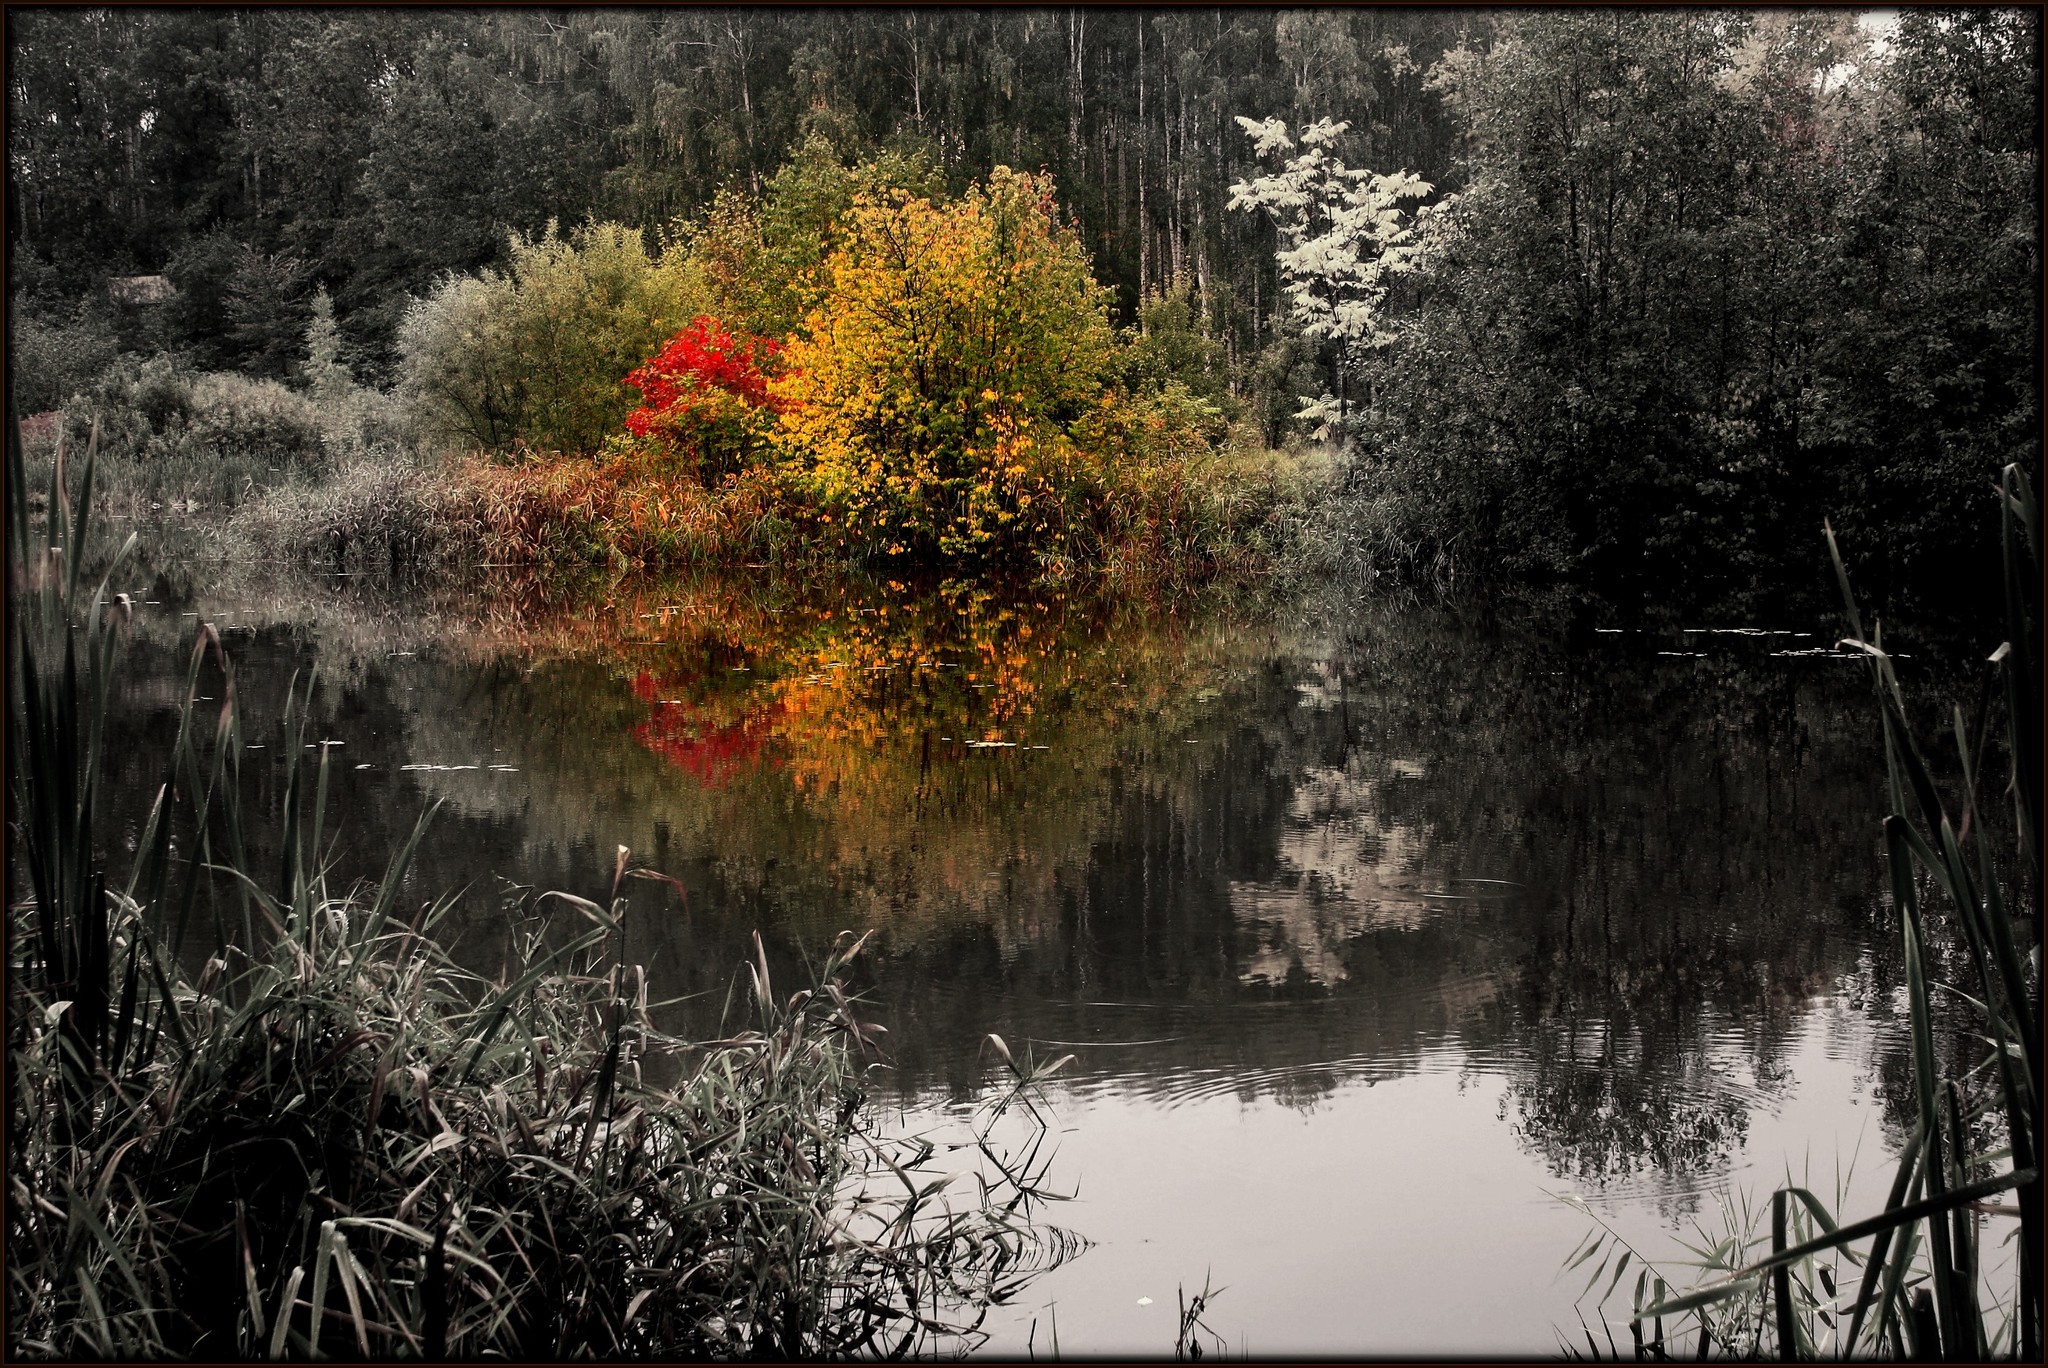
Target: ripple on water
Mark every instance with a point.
(1191, 1087)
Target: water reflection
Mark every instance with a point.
(1268, 857)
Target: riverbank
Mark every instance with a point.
(239, 1092)
(1240, 521)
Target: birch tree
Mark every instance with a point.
(1344, 234)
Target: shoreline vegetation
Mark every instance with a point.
(954, 398)
(1767, 267)
(311, 1133)
(513, 1107)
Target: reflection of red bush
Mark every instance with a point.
(710, 752)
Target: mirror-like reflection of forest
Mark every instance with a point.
(1208, 852)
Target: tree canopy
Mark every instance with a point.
(1622, 294)
(951, 344)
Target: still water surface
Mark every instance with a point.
(1370, 929)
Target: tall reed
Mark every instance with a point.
(318, 1136)
(1915, 1290)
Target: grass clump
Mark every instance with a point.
(628, 506)
(313, 1134)
(378, 509)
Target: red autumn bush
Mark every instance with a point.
(705, 398)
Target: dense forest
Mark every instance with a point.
(1668, 286)
(268, 151)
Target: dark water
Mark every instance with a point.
(1370, 930)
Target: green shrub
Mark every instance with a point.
(235, 418)
(532, 357)
(1181, 496)
(764, 253)
(141, 406)
(169, 439)
(353, 418)
(359, 420)
(155, 409)
(52, 356)
(1170, 346)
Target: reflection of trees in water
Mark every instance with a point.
(1301, 1090)
(876, 795)
(1692, 840)
(1625, 1110)
(1443, 833)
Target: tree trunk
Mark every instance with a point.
(1144, 133)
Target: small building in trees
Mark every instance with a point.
(140, 290)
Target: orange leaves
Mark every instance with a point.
(836, 701)
(947, 399)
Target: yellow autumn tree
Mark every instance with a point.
(931, 387)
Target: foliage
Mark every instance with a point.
(199, 269)
(386, 150)
(325, 373)
(949, 397)
(1174, 498)
(705, 399)
(1343, 235)
(628, 505)
(141, 407)
(1172, 345)
(53, 353)
(233, 417)
(1709, 276)
(156, 410)
(237, 307)
(930, 389)
(532, 357)
(331, 1116)
(1702, 287)
(1929, 383)
(266, 306)
(353, 418)
(764, 253)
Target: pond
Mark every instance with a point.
(1372, 930)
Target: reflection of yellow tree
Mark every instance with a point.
(940, 745)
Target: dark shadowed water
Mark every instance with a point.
(1370, 931)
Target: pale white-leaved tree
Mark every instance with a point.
(1344, 234)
